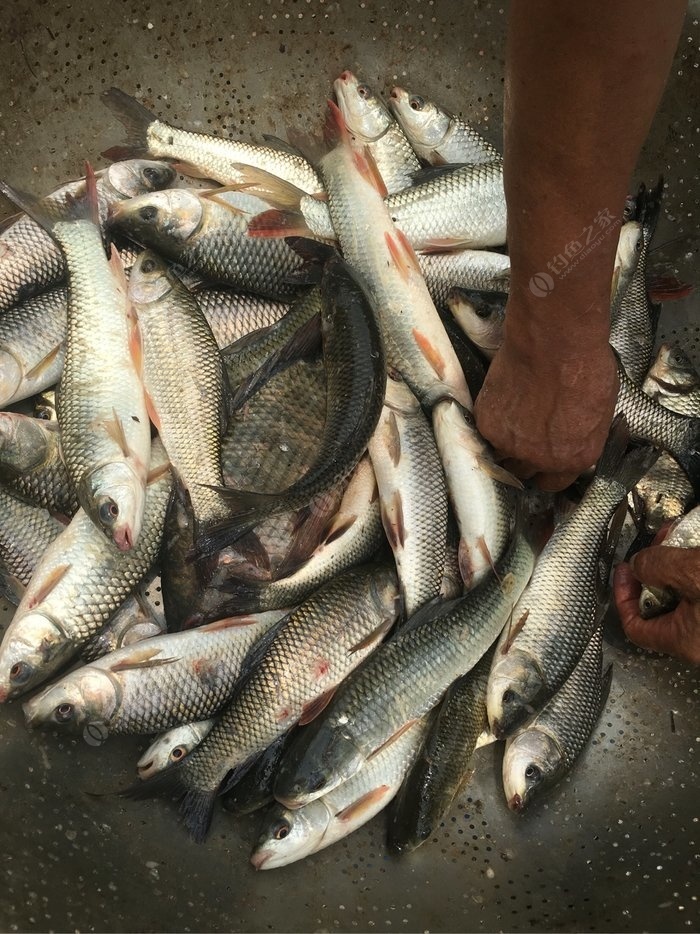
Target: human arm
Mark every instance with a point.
(583, 82)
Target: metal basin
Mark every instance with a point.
(615, 847)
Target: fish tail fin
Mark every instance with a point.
(196, 809)
(244, 510)
(617, 468)
(30, 205)
(687, 453)
(245, 595)
(314, 253)
(135, 119)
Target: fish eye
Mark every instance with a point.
(177, 753)
(508, 696)
(364, 90)
(64, 712)
(317, 781)
(108, 512)
(20, 672)
(416, 103)
(148, 265)
(482, 311)
(281, 830)
(647, 603)
(533, 773)
(148, 213)
(152, 175)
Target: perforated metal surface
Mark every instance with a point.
(616, 846)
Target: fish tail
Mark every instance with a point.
(136, 120)
(243, 511)
(196, 809)
(85, 207)
(687, 453)
(246, 597)
(617, 468)
(279, 223)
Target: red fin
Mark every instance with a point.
(431, 353)
(231, 622)
(392, 739)
(48, 584)
(393, 521)
(151, 409)
(513, 631)
(335, 129)
(315, 707)
(668, 288)
(114, 428)
(367, 167)
(44, 363)
(486, 553)
(91, 189)
(365, 803)
(393, 441)
(397, 255)
(375, 636)
(409, 252)
(120, 153)
(276, 223)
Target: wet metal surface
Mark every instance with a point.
(616, 846)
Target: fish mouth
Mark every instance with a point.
(123, 538)
(516, 803)
(398, 94)
(347, 77)
(259, 859)
(292, 803)
(4, 694)
(143, 771)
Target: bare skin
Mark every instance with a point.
(675, 633)
(583, 82)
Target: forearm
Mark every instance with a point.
(583, 82)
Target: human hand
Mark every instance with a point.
(548, 416)
(678, 632)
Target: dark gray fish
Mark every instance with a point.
(31, 463)
(442, 766)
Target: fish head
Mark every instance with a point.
(290, 835)
(23, 442)
(11, 372)
(479, 314)
(160, 218)
(653, 601)
(321, 757)
(33, 647)
(114, 498)
(169, 749)
(87, 695)
(673, 371)
(629, 246)
(135, 177)
(386, 594)
(515, 684)
(365, 114)
(423, 122)
(532, 762)
(45, 406)
(150, 278)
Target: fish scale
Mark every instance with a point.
(463, 207)
(466, 269)
(545, 750)
(155, 684)
(25, 533)
(232, 314)
(81, 580)
(402, 680)
(184, 377)
(307, 655)
(31, 463)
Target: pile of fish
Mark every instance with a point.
(249, 369)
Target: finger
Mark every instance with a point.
(626, 591)
(663, 532)
(555, 482)
(665, 566)
(676, 633)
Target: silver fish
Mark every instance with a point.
(685, 533)
(437, 136)
(674, 382)
(466, 269)
(232, 314)
(25, 534)
(31, 463)
(372, 125)
(171, 747)
(481, 315)
(211, 156)
(32, 345)
(412, 494)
